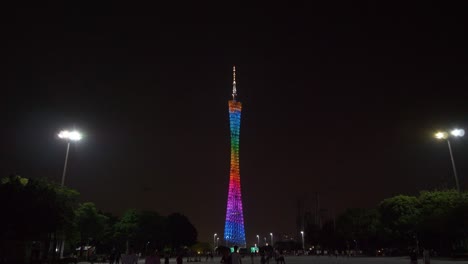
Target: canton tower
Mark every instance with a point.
(234, 233)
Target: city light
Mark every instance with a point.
(441, 135)
(234, 232)
(457, 132)
(302, 233)
(70, 135)
(214, 241)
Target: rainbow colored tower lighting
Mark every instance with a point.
(234, 233)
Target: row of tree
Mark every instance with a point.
(38, 214)
(436, 220)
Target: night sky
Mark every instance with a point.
(340, 99)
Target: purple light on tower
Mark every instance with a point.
(234, 233)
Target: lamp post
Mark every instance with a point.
(214, 241)
(302, 233)
(217, 241)
(271, 234)
(444, 135)
(258, 240)
(69, 136)
(264, 239)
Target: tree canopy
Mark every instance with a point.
(432, 219)
(40, 210)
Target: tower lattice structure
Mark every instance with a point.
(234, 233)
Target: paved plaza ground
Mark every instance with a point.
(327, 260)
(358, 260)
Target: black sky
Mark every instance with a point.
(340, 99)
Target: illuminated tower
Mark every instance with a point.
(234, 233)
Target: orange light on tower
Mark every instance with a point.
(234, 233)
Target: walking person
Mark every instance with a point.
(426, 256)
(117, 256)
(130, 258)
(226, 258)
(112, 256)
(414, 257)
(281, 257)
(235, 257)
(153, 258)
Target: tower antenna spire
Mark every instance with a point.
(234, 89)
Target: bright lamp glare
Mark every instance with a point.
(457, 132)
(63, 134)
(75, 135)
(70, 135)
(441, 135)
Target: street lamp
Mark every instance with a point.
(217, 241)
(214, 241)
(258, 240)
(302, 233)
(271, 234)
(441, 135)
(69, 136)
(264, 239)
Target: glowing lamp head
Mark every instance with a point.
(457, 132)
(70, 135)
(302, 232)
(441, 135)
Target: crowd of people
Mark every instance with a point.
(152, 257)
(265, 257)
(227, 257)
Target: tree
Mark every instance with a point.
(127, 227)
(151, 227)
(458, 223)
(436, 230)
(90, 223)
(180, 231)
(201, 247)
(358, 227)
(36, 210)
(400, 216)
(142, 230)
